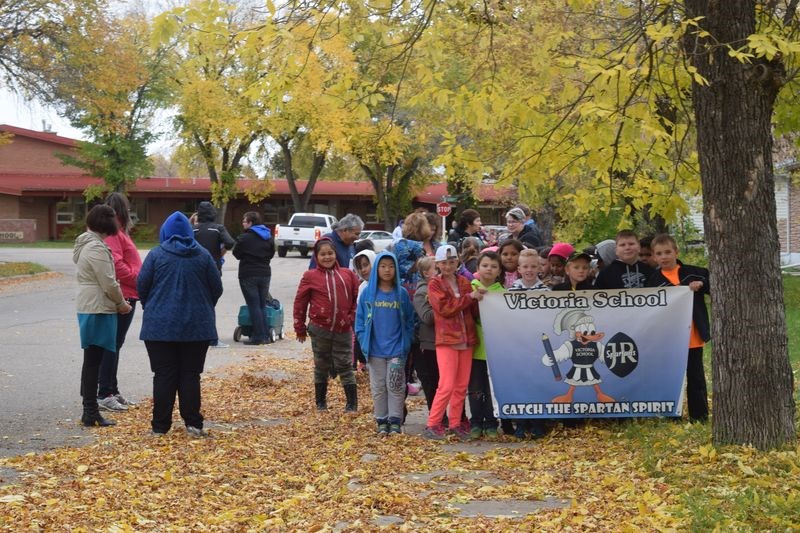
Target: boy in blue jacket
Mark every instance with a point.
(384, 329)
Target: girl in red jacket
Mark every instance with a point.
(455, 305)
(327, 295)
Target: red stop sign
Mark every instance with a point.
(443, 209)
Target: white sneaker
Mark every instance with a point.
(124, 401)
(220, 344)
(196, 432)
(110, 403)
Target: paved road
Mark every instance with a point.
(40, 354)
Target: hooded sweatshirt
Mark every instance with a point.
(211, 235)
(385, 320)
(98, 289)
(326, 296)
(619, 275)
(254, 249)
(179, 284)
(370, 255)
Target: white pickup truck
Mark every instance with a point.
(302, 231)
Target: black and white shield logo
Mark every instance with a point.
(621, 355)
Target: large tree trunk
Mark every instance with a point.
(753, 382)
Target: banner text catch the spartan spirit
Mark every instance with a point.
(589, 408)
(598, 299)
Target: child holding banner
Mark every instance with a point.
(672, 272)
(483, 421)
(454, 305)
(529, 269)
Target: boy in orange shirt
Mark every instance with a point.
(672, 272)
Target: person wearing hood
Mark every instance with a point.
(214, 238)
(98, 303)
(327, 297)
(211, 235)
(528, 235)
(384, 329)
(254, 249)
(626, 271)
(178, 286)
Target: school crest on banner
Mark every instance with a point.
(604, 353)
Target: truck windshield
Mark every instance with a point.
(307, 222)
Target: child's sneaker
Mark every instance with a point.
(490, 433)
(462, 431)
(475, 432)
(434, 433)
(383, 429)
(395, 428)
(413, 389)
(519, 431)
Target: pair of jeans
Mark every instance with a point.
(176, 368)
(696, 390)
(92, 355)
(107, 380)
(455, 367)
(427, 370)
(256, 291)
(480, 396)
(387, 382)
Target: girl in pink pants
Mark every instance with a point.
(455, 305)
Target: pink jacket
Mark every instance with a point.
(127, 262)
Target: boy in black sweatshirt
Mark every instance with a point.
(626, 271)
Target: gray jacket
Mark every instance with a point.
(426, 334)
(98, 289)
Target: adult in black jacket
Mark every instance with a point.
(469, 225)
(528, 235)
(254, 249)
(211, 235)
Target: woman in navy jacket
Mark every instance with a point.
(179, 285)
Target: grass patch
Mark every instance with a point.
(21, 269)
(791, 297)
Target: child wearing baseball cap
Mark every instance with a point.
(577, 273)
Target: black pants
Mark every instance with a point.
(176, 367)
(110, 363)
(480, 396)
(696, 392)
(427, 371)
(92, 356)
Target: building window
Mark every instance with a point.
(138, 211)
(70, 211)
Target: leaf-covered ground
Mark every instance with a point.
(274, 463)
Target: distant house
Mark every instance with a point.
(36, 189)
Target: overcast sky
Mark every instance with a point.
(16, 111)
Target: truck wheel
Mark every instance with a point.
(282, 250)
(304, 252)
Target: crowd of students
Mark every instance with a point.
(415, 310)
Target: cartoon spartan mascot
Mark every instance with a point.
(583, 349)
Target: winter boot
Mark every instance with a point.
(91, 414)
(351, 392)
(321, 393)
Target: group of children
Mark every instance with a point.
(438, 324)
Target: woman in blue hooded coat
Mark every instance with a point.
(178, 285)
(384, 328)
